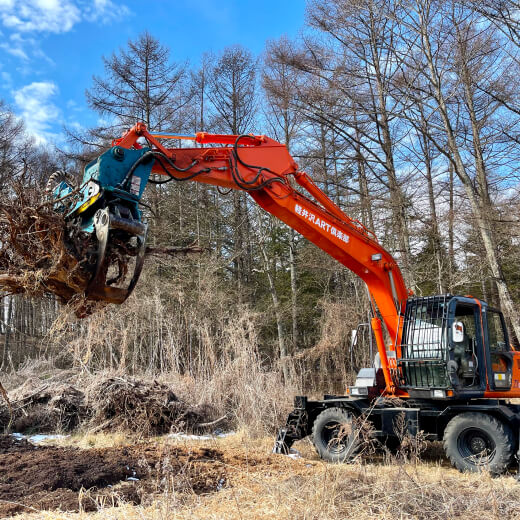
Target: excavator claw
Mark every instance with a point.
(99, 288)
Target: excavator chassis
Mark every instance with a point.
(432, 419)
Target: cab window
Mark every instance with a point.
(496, 335)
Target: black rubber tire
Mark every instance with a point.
(476, 441)
(324, 435)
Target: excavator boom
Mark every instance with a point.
(264, 168)
(108, 207)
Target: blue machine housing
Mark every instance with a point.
(105, 180)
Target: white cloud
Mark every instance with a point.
(37, 109)
(77, 126)
(14, 50)
(104, 11)
(7, 79)
(54, 16)
(24, 48)
(24, 19)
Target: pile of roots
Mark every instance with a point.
(111, 404)
(34, 258)
(41, 253)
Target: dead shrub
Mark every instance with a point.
(410, 447)
(146, 407)
(252, 395)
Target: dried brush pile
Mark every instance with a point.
(112, 404)
(148, 407)
(33, 256)
(47, 408)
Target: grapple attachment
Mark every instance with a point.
(102, 288)
(105, 228)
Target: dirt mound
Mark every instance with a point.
(113, 404)
(44, 477)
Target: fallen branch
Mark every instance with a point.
(172, 251)
(212, 423)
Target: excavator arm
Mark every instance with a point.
(263, 168)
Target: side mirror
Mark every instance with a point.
(457, 332)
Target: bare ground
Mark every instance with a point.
(69, 479)
(237, 478)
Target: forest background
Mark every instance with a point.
(406, 113)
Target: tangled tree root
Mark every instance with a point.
(34, 258)
(112, 404)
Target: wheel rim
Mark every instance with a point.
(336, 437)
(476, 446)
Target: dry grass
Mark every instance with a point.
(273, 486)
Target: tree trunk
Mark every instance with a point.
(397, 198)
(480, 206)
(451, 234)
(282, 348)
(294, 289)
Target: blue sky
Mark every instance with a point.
(50, 49)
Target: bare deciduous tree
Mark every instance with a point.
(140, 84)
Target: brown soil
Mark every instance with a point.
(70, 479)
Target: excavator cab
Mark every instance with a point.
(454, 346)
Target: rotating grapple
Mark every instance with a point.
(105, 230)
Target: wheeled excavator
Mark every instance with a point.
(444, 364)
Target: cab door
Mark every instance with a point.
(498, 354)
(466, 347)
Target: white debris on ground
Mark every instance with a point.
(37, 439)
(209, 437)
(294, 454)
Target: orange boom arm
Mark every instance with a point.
(262, 167)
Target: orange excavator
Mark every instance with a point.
(444, 365)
